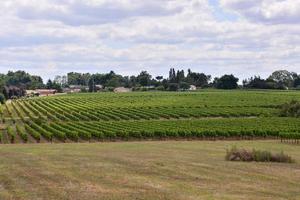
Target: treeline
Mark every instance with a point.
(179, 80)
(281, 79)
(14, 84)
(144, 81)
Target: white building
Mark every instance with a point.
(122, 90)
(193, 88)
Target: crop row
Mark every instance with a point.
(62, 111)
(287, 128)
(208, 98)
(290, 137)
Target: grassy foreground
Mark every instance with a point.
(145, 170)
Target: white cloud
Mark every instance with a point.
(56, 36)
(266, 11)
(88, 12)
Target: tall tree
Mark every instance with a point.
(172, 75)
(283, 77)
(226, 82)
(75, 78)
(198, 79)
(144, 78)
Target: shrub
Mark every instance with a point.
(2, 98)
(160, 88)
(235, 154)
(291, 109)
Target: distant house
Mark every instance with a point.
(75, 89)
(149, 87)
(99, 87)
(46, 92)
(66, 90)
(32, 93)
(122, 90)
(75, 86)
(192, 88)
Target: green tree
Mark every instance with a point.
(198, 79)
(159, 78)
(173, 86)
(144, 78)
(184, 85)
(297, 81)
(283, 77)
(75, 78)
(49, 84)
(226, 82)
(23, 79)
(2, 98)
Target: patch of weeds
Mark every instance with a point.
(235, 154)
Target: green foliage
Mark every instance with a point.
(144, 78)
(226, 82)
(291, 109)
(290, 137)
(11, 134)
(157, 115)
(35, 134)
(184, 85)
(2, 98)
(19, 78)
(22, 133)
(283, 77)
(173, 87)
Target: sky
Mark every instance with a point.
(240, 37)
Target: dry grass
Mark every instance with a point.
(145, 170)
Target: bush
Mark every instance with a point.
(2, 98)
(291, 109)
(235, 154)
(173, 87)
(160, 88)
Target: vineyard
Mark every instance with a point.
(150, 115)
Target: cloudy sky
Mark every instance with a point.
(244, 37)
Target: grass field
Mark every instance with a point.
(145, 170)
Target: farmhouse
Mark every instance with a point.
(46, 92)
(122, 90)
(193, 88)
(75, 89)
(32, 93)
(98, 88)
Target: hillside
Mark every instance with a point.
(151, 115)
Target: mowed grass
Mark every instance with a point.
(145, 170)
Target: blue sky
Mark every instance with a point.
(246, 38)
